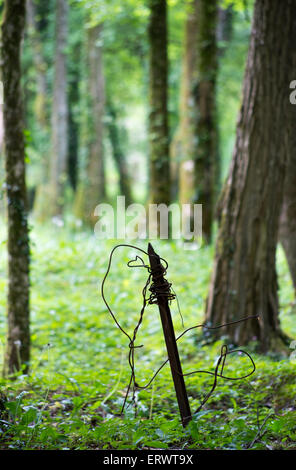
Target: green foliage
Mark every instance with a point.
(238, 5)
(79, 374)
(125, 56)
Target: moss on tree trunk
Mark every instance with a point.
(18, 341)
(160, 183)
(206, 162)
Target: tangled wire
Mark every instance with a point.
(150, 293)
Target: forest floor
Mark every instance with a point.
(79, 373)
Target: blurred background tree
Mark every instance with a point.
(95, 54)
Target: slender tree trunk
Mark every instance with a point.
(34, 42)
(40, 65)
(73, 124)
(244, 279)
(18, 342)
(58, 169)
(160, 184)
(224, 28)
(73, 141)
(175, 162)
(92, 185)
(96, 169)
(118, 154)
(287, 232)
(187, 131)
(187, 115)
(206, 163)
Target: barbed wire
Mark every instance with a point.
(150, 293)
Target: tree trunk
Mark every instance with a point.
(40, 65)
(118, 155)
(160, 184)
(287, 232)
(59, 154)
(224, 28)
(187, 115)
(73, 123)
(91, 190)
(206, 163)
(73, 138)
(34, 42)
(2, 163)
(244, 279)
(18, 342)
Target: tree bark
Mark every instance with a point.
(59, 153)
(287, 232)
(160, 184)
(92, 189)
(206, 162)
(244, 279)
(18, 342)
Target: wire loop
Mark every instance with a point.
(165, 290)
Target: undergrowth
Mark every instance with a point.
(79, 372)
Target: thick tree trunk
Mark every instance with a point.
(118, 155)
(287, 232)
(1, 130)
(160, 184)
(244, 278)
(92, 190)
(2, 163)
(58, 169)
(18, 343)
(206, 163)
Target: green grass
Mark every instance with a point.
(79, 374)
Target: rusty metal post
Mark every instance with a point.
(169, 335)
